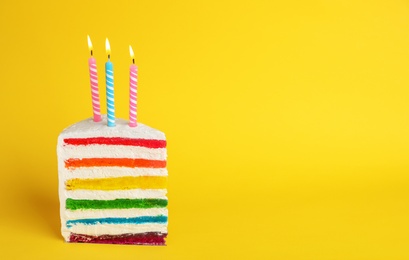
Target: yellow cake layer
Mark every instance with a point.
(120, 183)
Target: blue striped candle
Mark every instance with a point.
(109, 72)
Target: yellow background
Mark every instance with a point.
(287, 122)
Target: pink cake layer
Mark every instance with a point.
(149, 238)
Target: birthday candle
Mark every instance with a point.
(94, 84)
(109, 79)
(133, 86)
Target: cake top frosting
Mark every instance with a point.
(89, 128)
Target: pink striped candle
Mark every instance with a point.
(133, 94)
(94, 85)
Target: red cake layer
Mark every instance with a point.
(149, 238)
(148, 143)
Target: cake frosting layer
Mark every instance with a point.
(112, 183)
(111, 151)
(117, 194)
(107, 172)
(120, 213)
(90, 129)
(117, 229)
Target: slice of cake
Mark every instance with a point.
(112, 183)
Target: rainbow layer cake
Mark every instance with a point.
(112, 183)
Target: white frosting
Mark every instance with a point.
(107, 172)
(86, 129)
(116, 194)
(89, 128)
(117, 213)
(115, 229)
(112, 151)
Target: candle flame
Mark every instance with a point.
(131, 52)
(89, 43)
(107, 46)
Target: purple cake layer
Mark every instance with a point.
(149, 238)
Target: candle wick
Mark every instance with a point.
(109, 56)
(133, 61)
(91, 53)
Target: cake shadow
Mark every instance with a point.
(43, 202)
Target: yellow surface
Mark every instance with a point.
(287, 122)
